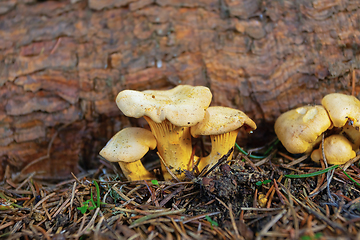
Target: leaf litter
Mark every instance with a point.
(245, 198)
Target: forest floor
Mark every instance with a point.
(248, 197)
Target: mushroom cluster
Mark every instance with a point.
(300, 130)
(174, 116)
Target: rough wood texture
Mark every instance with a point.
(63, 62)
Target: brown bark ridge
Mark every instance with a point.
(63, 62)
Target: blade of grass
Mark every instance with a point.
(258, 157)
(271, 147)
(350, 177)
(97, 194)
(247, 154)
(314, 173)
(98, 200)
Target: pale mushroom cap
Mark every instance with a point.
(298, 129)
(219, 120)
(337, 149)
(183, 105)
(341, 108)
(128, 145)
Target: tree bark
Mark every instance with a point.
(62, 64)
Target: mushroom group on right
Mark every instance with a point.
(300, 130)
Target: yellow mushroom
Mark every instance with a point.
(223, 125)
(344, 112)
(342, 108)
(127, 147)
(169, 113)
(337, 149)
(299, 129)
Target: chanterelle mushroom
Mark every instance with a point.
(337, 149)
(127, 147)
(342, 108)
(223, 125)
(169, 113)
(299, 129)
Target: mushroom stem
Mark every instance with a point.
(220, 145)
(141, 172)
(174, 146)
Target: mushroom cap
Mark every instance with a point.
(337, 149)
(219, 120)
(183, 105)
(299, 129)
(128, 145)
(341, 108)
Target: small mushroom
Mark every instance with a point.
(127, 147)
(299, 129)
(223, 125)
(169, 113)
(337, 149)
(342, 108)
